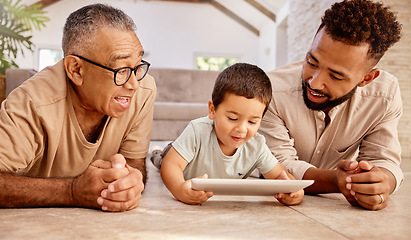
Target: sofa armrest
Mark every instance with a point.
(15, 77)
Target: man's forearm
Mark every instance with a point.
(325, 181)
(21, 191)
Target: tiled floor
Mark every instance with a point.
(160, 216)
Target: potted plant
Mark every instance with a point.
(17, 22)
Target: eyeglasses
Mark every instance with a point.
(122, 75)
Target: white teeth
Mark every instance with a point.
(122, 98)
(317, 95)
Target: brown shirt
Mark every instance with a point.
(40, 135)
(364, 127)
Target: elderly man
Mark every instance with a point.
(336, 104)
(77, 133)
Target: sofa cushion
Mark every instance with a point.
(179, 111)
(167, 130)
(178, 85)
(182, 95)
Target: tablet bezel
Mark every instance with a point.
(250, 187)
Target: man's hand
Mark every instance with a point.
(109, 185)
(87, 187)
(346, 168)
(365, 185)
(124, 192)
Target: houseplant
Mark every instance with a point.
(17, 22)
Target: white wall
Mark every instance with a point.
(272, 46)
(267, 46)
(171, 33)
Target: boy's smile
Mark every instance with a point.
(237, 138)
(236, 120)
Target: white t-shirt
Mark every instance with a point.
(198, 145)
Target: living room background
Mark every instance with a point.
(175, 33)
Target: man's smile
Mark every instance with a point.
(124, 102)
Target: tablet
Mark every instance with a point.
(250, 187)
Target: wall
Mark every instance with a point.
(170, 38)
(272, 45)
(398, 61)
(303, 21)
(302, 27)
(267, 51)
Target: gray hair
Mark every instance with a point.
(82, 25)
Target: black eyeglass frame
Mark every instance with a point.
(115, 71)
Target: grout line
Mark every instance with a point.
(343, 235)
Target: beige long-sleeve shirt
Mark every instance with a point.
(365, 125)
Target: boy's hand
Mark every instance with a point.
(191, 196)
(289, 199)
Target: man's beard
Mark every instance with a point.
(327, 104)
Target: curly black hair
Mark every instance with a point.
(362, 21)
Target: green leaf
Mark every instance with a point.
(17, 22)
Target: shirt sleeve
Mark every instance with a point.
(267, 160)
(381, 145)
(186, 143)
(21, 132)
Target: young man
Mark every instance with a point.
(77, 133)
(335, 104)
(226, 143)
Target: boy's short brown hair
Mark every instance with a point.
(244, 80)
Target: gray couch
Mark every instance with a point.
(15, 77)
(182, 95)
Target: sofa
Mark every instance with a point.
(12, 79)
(182, 95)
(15, 77)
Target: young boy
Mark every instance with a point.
(226, 143)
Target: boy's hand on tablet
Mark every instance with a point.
(191, 196)
(289, 199)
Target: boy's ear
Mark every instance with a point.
(211, 110)
(74, 69)
(369, 77)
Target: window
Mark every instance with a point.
(49, 57)
(215, 63)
